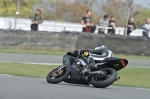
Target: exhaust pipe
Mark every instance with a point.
(97, 73)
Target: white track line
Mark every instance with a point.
(56, 64)
(32, 63)
(39, 63)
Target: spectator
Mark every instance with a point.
(86, 20)
(146, 27)
(131, 26)
(112, 24)
(37, 19)
(104, 22)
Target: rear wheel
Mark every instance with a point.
(104, 81)
(55, 76)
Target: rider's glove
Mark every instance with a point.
(76, 53)
(80, 52)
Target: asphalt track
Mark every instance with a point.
(15, 87)
(55, 59)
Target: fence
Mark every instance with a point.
(55, 26)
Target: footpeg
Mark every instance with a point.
(118, 78)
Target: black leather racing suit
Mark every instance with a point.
(90, 61)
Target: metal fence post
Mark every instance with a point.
(17, 13)
(127, 18)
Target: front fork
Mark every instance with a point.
(68, 69)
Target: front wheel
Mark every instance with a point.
(54, 77)
(104, 81)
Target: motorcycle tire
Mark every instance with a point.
(106, 81)
(55, 80)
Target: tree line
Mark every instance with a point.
(74, 10)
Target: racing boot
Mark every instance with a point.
(91, 63)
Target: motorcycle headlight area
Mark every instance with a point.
(76, 65)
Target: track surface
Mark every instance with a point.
(34, 58)
(13, 87)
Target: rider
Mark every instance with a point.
(99, 52)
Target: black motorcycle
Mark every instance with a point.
(73, 71)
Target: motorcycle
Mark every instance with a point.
(75, 71)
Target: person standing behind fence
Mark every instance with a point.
(86, 20)
(146, 28)
(112, 25)
(37, 19)
(131, 26)
(104, 22)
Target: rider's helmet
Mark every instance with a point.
(99, 49)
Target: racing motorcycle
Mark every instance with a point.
(76, 70)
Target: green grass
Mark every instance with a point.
(52, 52)
(133, 77)
(30, 70)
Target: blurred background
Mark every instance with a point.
(66, 15)
(73, 10)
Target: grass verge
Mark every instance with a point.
(52, 52)
(133, 77)
(30, 70)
